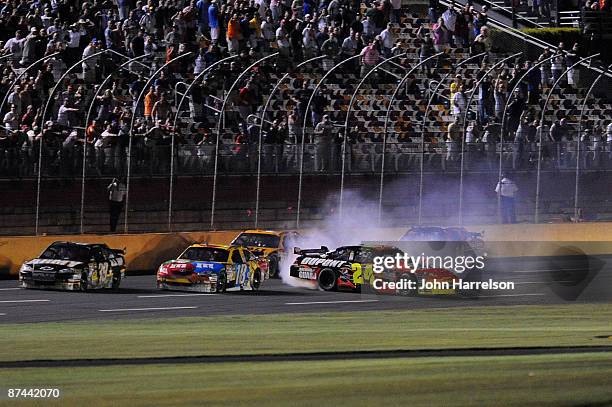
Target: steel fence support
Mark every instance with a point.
(262, 121)
(386, 126)
(33, 64)
(464, 127)
(178, 109)
(221, 125)
(42, 121)
(87, 119)
(503, 125)
(346, 120)
(584, 103)
(543, 114)
(425, 116)
(314, 92)
(131, 132)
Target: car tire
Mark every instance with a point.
(472, 276)
(409, 292)
(274, 267)
(221, 283)
(256, 281)
(84, 282)
(328, 280)
(116, 282)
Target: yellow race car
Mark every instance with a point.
(270, 244)
(213, 269)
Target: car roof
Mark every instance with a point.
(263, 232)
(78, 243)
(212, 246)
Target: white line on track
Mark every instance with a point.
(546, 270)
(11, 301)
(511, 295)
(1, 314)
(175, 295)
(145, 309)
(328, 302)
(8, 289)
(540, 282)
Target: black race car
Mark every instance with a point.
(74, 266)
(347, 267)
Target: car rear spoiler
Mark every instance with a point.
(321, 250)
(118, 251)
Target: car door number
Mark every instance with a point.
(241, 274)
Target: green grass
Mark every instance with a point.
(570, 325)
(546, 380)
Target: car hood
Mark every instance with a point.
(53, 265)
(262, 251)
(200, 266)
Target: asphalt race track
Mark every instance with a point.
(541, 281)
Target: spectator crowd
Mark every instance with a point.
(83, 82)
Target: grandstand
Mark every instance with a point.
(143, 92)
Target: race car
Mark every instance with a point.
(74, 266)
(347, 267)
(212, 268)
(270, 244)
(448, 234)
(351, 267)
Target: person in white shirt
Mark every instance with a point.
(15, 46)
(116, 195)
(459, 102)
(387, 39)
(506, 189)
(11, 119)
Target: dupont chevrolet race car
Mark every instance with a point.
(343, 268)
(74, 266)
(213, 269)
(351, 267)
(270, 244)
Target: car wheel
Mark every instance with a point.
(84, 282)
(408, 291)
(328, 280)
(473, 276)
(221, 283)
(256, 282)
(116, 282)
(273, 266)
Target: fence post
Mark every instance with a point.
(131, 132)
(387, 115)
(220, 124)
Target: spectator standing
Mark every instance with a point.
(116, 196)
(506, 189)
(322, 140)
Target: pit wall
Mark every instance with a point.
(148, 251)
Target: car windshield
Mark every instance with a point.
(205, 254)
(257, 240)
(425, 235)
(66, 251)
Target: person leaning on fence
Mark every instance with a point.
(506, 189)
(116, 196)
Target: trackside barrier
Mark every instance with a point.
(147, 251)
(143, 251)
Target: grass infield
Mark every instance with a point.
(482, 327)
(545, 380)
